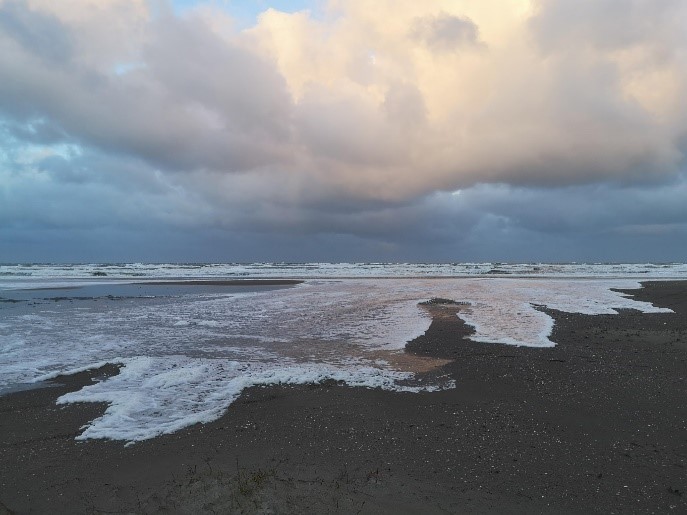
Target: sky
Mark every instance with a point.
(343, 130)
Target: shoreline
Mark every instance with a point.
(172, 282)
(595, 424)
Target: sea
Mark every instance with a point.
(187, 347)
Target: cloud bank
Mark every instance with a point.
(556, 121)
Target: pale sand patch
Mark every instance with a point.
(402, 361)
(407, 362)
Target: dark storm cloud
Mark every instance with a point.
(598, 208)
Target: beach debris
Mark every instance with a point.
(438, 301)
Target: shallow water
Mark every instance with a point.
(188, 352)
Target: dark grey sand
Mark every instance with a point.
(595, 425)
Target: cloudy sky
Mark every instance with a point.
(343, 130)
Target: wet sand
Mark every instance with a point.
(190, 282)
(595, 425)
(231, 282)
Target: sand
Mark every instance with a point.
(595, 425)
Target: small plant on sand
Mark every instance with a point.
(249, 482)
(373, 476)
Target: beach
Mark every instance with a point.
(595, 424)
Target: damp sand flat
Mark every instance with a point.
(104, 287)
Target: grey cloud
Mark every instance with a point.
(92, 191)
(245, 92)
(345, 131)
(64, 170)
(482, 212)
(39, 131)
(445, 32)
(199, 102)
(485, 222)
(405, 107)
(40, 34)
(609, 24)
(591, 209)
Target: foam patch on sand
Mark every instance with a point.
(155, 396)
(507, 311)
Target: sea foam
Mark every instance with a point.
(154, 396)
(186, 358)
